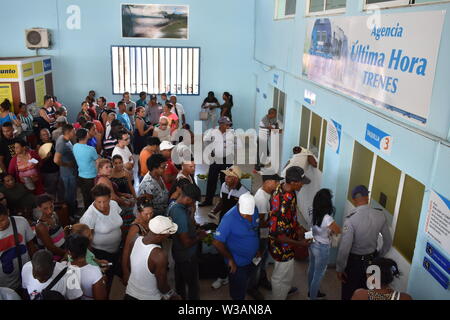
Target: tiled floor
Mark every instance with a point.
(330, 284)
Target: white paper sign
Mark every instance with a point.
(438, 220)
(334, 131)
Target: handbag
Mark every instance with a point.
(48, 293)
(203, 115)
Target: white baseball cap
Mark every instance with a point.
(247, 204)
(162, 225)
(166, 145)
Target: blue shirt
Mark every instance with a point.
(180, 215)
(125, 119)
(85, 156)
(92, 142)
(7, 119)
(141, 103)
(240, 236)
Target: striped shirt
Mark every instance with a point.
(28, 120)
(56, 234)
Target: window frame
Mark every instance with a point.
(275, 14)
(395, 215)
(398, 4)
(170, 48)
(322, 139)
(324, 12)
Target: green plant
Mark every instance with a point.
(209, 239)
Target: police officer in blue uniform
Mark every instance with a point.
(358, 245)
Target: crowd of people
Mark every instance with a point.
(48, 239)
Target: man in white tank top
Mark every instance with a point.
(148, 262)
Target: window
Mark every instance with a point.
(397, 3)
(279, 103)
(285, 8)
(155, 70)
(408, 217)
(326, 6)
(397, 194)
(313, 134)
(361, 167)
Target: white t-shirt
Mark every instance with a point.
(322, 234)
(67, 285)
(262, 201)
(299, 160)
(89, 275)
(107, 233)
(9, 264)
(125, 153)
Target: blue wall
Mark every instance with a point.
(242, 49)
(223, 30)
(424, 156)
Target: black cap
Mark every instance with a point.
(267, 177)
(296, 174)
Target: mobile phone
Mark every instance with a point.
(109, 264)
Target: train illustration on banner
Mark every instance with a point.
(327, 42)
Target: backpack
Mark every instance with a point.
(48, 293)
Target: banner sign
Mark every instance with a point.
(379, 139)
(436, 273)
(310, 97)
(437, 225)
(438, 257)
(389, 63)
(8, 71)
(334, 131)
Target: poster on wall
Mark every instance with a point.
(40, 90)
(389, 64)
(334, 132)
(6, 93)
(437, 225)
(27, 70)
(155, 21)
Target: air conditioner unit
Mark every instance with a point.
(37, 38)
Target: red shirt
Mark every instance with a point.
(171, 170)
